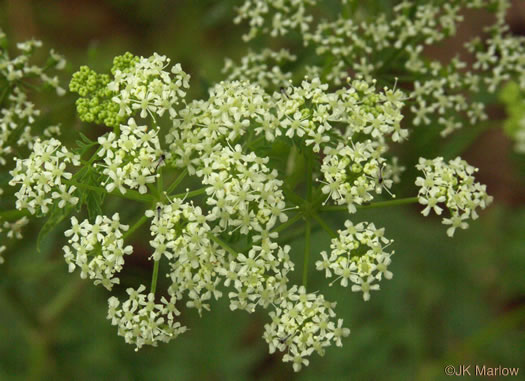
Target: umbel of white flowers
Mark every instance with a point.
(451, 185)
(18, 131)
(395, 41)
(211, 139)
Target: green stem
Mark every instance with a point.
(307, 249)
(160, 183)
(130, 194)
(194, 193)
(155, 277)
(380, 204)
(288, 223)
(135, 226)
(254, 142)
(222, 244)
(324, 225)
(292, 196)
(177, 181)
(309, 170)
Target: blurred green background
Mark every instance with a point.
(451, 301)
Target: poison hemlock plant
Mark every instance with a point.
(271, 149)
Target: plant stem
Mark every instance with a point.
(135, 226)
(380, 204)
(155, 276)
(324, 225)
(130, 194)
(177, 181)
(309, 170)
(307, 249)
(288, 223)
(222, 244)
(160, 183)
(194, 193)
(309, 213)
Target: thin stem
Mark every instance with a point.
(155, 276)
(288, 223)
(130, 194)
(135, 226)
(380, 204)
(177, 181)
(294, 197)
(324, 225)
(222, 244)
(309, 169)
(309, 214)
(194, 193)
(307, 249)
(254, 142)
(160, 183)
(95, 154)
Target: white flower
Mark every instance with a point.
(142, 321)
(451, 184)
(148, 88)
(131, 159)
(301, 324)
(43, 177)
(97, 249)
(359, 257)
(180, 234)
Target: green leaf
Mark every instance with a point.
(91, 198)
(84, 144)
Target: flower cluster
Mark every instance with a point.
(148, 88)
(303, 323)
(43, 177)
(229, 244)
(180, 234)
(358, 256)
(263, 68)
(352, 173)
(308, 113)
(220, 140)
(274, 17)
(242, 191)
(260, 277)
(451, 184)
(131, 159)
(136, 84)
(18, 114)
(204, 125)
(388, 45)
(141, 321)
(97, 249)
(322, 116)
(255, 139)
